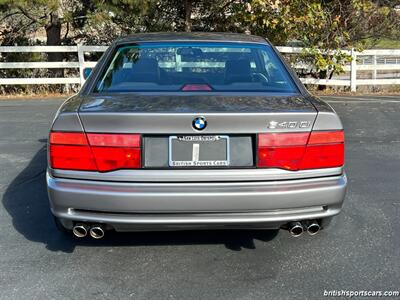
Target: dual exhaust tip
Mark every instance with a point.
(296, 229)
(81, 230)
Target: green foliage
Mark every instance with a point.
(382, 43)
(324, 64)
(322, 26)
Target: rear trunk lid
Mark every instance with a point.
(173, 114)
(170, 138)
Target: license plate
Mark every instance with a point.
(199, 151)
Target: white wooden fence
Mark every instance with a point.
(359, 63)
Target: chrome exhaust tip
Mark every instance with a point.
(80, 230)
(296, 229)
(96, 232)
(313, 227)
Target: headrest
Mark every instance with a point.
(145, 65)
(238, 70)
(145, 70)
(238, 67)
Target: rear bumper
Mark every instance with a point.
(179, 205)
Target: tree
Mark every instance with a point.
(55, 17)
(324, 27)
(174, 15)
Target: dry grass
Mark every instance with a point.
(35, 96)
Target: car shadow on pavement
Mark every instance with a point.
(26, 200)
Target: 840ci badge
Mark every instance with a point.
(199, 151)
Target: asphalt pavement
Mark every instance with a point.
(360, 251)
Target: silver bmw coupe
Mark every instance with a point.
(177, 131)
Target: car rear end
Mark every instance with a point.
(193, 135)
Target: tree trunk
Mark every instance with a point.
(188, 14)
(322, 75)
(53, 35)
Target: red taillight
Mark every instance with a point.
(282, 139)
(299, 151)
(72, 158)
(323, 156)
(68, 138)
(96, 152)
(114, 140)
(325, 149)
(326, 137)
(281, 150)
(108, 159)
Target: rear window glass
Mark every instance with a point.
(195, 67)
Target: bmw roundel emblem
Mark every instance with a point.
(199, 123)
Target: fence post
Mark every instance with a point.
(374, 62)
(353, 71)
(81, 59)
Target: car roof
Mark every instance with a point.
(191, 36)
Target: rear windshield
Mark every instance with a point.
(204, 67)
